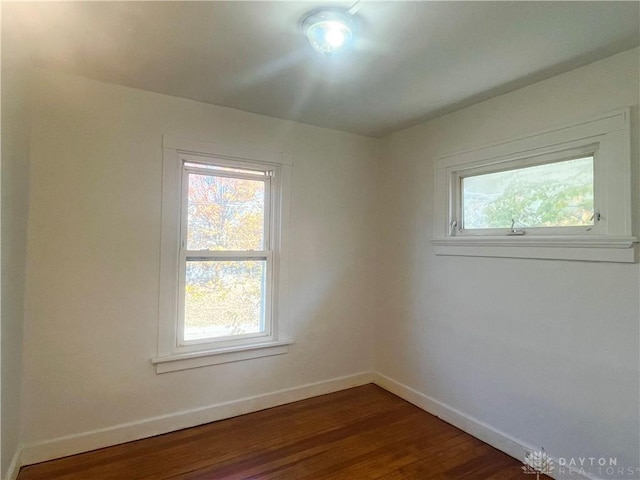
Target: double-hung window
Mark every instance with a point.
(222, 261)
(226, 264)
(560, 194)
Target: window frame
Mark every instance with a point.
(606, 137)
(174, 353)
(534, 161)
(186, 255)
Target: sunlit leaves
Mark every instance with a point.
(224, 297)
(225, 213)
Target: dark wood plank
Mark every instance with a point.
(363, 433)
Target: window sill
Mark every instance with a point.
(184, 361)
(591, 249)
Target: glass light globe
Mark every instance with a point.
(328, 31)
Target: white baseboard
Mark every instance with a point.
(477, 428)
(86, 441)
(15, 465)
(92, 440)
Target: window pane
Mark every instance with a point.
(224, 298)
(552, 195)
(209, 166)
(225, 213)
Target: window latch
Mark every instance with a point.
(513, 230)
(452, 228)
(596, 217)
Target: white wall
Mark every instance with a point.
(93, 257)
(15, 189)
(546, 352)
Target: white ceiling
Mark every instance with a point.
(413, 60)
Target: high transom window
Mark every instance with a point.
(558, 194)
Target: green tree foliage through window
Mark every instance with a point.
(551, 195)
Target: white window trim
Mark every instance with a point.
(609, 240)
(171, 355)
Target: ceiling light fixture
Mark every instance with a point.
(329, 30)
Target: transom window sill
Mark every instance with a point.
(589, 248)
(184, 361)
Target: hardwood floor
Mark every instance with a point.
(360, 433)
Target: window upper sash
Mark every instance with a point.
(240, 173)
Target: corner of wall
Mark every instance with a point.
(15, 155)
(14, 467)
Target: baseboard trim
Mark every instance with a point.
(92, 440)
(15, 465)
(126, 432)
(502, 441)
